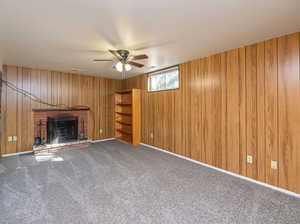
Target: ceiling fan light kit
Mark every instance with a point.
(124, 58)
(120, 67)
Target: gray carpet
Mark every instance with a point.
(112, 182)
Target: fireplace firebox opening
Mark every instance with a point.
(62, 129)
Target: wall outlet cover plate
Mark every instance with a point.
(249, 159)
(273, 164)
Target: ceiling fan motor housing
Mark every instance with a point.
(124, 54)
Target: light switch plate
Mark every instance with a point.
(274, 164)
(249, 159)
(10, 138)
(101, 131)
(15, 138)
(151, 135)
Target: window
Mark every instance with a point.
(164, 79)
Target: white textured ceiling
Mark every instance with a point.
(65, 34)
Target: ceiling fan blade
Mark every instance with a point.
(139, 57)
(135, 64)
(102, 60)
(115, 53)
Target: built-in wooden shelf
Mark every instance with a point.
(124, 104)
(125, 91)
(123, 123)
(124, 132)
(123, 113)
(128, 116)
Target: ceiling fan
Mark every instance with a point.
(125, 60)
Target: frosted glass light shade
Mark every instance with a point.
(119, 66)
(128, 67)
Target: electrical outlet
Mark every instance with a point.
(10, 138)
(14, 138)
(274, 164)
(249, 159)
(151, 135)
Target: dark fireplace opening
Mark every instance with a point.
(61, 129)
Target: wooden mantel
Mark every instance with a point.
(58, 109)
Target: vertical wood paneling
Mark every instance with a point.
(35, 90)
(261, 147)
(187, 109)
(64, 96)
(106, 101)
(208, 123)
(271, 106)
(288, 110)
(243, 101)
(43, 87)
(101, 103)
(150, 119)
(20, 110)
(147, 127)
(76, 90)
(233, 118)
(251, 109)
(223, 112)
(213, 112)
(90, 102)
(4, 112)
(49, 88)
(195, 111)
(55, 87)
(52, 87)
(242, 111)
(11, 113)
(97, 109)
(158, 118)
(178, 116)
(26, 111)
(204, 69)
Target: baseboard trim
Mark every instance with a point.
(17, 153)
(103, 140)
(227, 172)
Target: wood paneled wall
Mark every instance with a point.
(241, 102)
(55, 88)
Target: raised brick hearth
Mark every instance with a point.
(40, 118)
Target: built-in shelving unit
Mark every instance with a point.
(128, 116)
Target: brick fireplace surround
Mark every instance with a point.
(40, 117)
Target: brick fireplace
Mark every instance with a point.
(60, 126)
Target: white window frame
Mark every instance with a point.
(160, 72)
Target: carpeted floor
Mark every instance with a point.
(112, 182)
